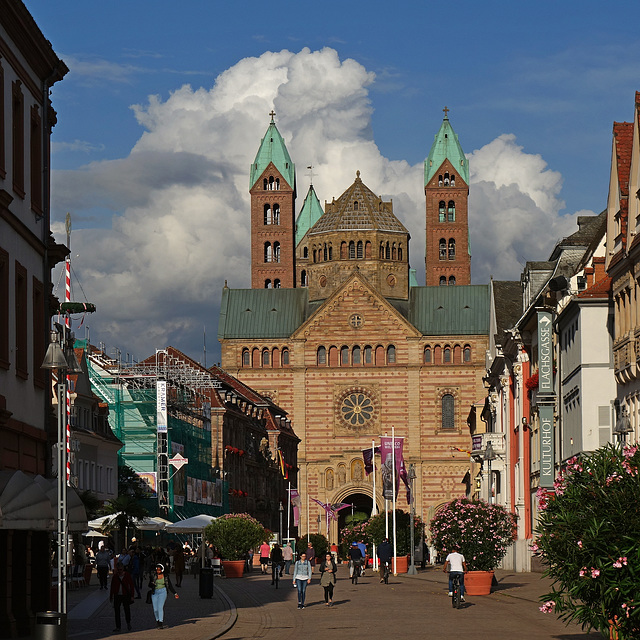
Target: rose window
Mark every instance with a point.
(357, 409)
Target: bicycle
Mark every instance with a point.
(355, 573)
(455, 592)
(276, 570)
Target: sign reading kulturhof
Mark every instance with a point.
(547, 455)
(545, 353)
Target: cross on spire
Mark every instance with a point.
(272, 114)
(446, 113)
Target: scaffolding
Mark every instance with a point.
(131, 391)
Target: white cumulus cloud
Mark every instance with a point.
(175, 211)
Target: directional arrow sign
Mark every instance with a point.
(178, 461)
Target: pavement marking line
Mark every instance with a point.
(233, 614)
(88, 606)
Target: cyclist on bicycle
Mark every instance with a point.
(384, 553)
(355, 558)
(457, 564)
(276, 562)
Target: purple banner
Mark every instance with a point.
(386, 454)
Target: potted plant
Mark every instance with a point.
(376, 531)
(235, 535)
(587, 537)
(482, 531)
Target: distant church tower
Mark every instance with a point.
(446, 188)
(273, 196)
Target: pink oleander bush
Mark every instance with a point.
(483, 532)
(588, 538)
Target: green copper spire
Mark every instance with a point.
(446, 147)
(273, 149)
(309, 214)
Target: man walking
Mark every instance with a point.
(287, 555)
(121, 593)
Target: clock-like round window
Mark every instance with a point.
(357, 409)
(323, 281)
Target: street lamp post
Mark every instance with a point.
(412, 571)
(280, 511)
(60, 356)
(489, 455)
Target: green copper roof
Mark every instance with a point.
(445, 311)
(273, 149)
(277, 313)
(309, 214)
(446, 147)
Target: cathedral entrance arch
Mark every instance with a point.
(360, 501)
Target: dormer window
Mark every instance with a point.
(355, 205)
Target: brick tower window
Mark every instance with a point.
(443, 249)
(452, 281)
(442, 211)
(452, 249)
(451, 211)
(443, 281)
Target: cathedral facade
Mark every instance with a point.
(337, 331)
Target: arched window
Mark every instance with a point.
(446, 179)
(267, 214)
(246, 358)
(330, 252)
(442, 253)
(447, 355)
(268, 284)
(452, 281)
(451, 211)
(276, 214)
(367, 249)
(387, 252)
(439, 180)
(265, 184)
(453, 179)
(268, 252)
(391, 354)
(271, 182)
(333, 356)
(343, 251)
(457, 354)
(277, 184)
(352, 250)
(344, 356)
(303, 279)
(322, 355)
(381, 251)
(442, 211)
(276, 252)
(265, 357)
(443, 281)
(275, 357)
(360, 250)
(380, 355)
(355, 205)
(400, 252)
(427, 355)
(448, 411)
(394, 252)
(255, 358)
(466, 355)
(276, 282)
(437, 355)
(285, 357)
(305, 252)
(356, 355)
(314, 255)
(325, 252)
(368, 355)
(452, 249)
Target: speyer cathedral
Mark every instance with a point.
(337, 330)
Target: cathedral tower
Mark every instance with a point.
(273, 196)
(446, 187)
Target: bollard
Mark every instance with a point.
(50, 625)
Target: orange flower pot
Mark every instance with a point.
(233, 568)
(400, 564)
(478, 583)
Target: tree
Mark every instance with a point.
(588, 535)
(92, 505)
(129, 483)
(126, 511)
(376, 530)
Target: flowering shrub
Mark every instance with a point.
(376, 530)
(235, 534)
(353, 533)
(483, 531)
(588, 535)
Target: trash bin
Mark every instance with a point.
(50, 625)
(206, 582)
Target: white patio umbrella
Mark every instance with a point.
(195, 524)
(93, 534)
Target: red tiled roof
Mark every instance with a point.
(601, 289)
(623, 135)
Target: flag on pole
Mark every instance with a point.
(283, 468)
(387, 467)
(367, 455)
(330, 510)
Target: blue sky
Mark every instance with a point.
(533, 90)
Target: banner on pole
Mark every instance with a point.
(387, 456)
(295, 503)
(367, 455)
(161, 405)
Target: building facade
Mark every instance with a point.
(356, 348)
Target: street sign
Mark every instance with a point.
(178, 461)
